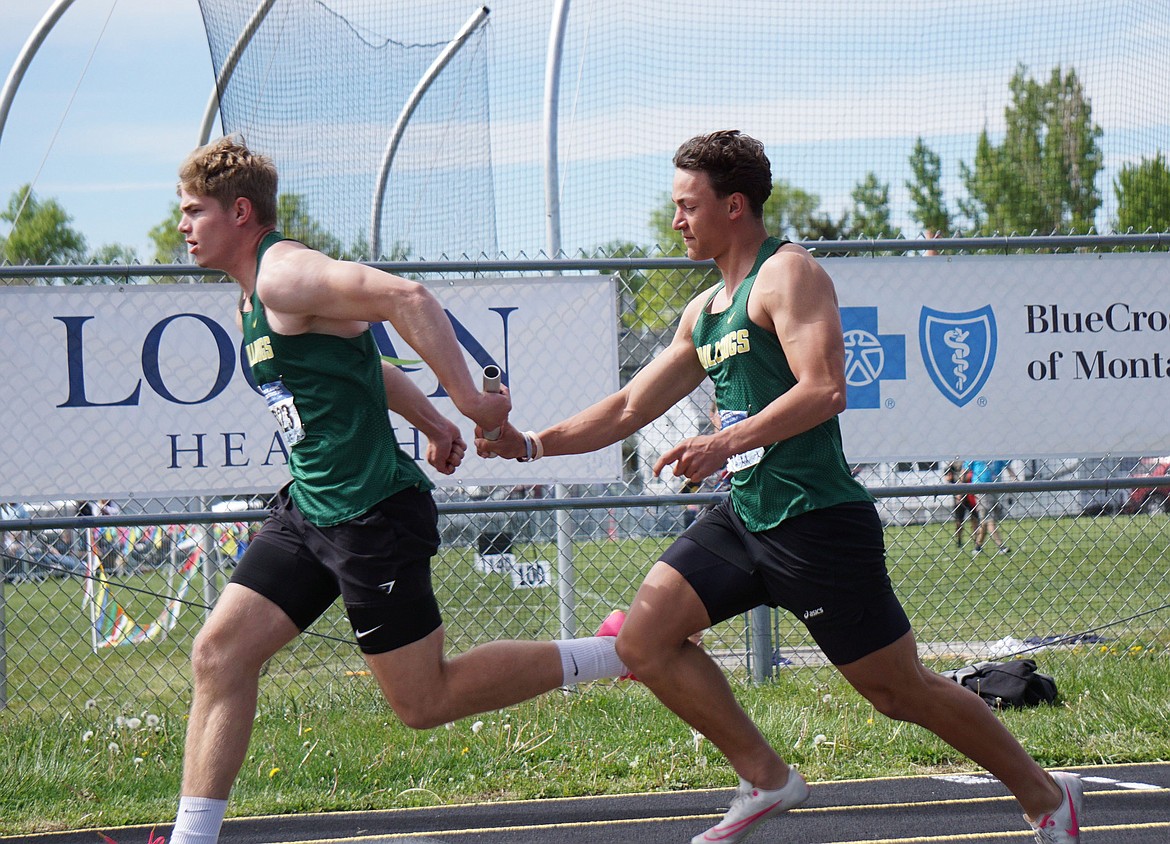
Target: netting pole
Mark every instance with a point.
(566, 574)
(26, 56)
(210, 567)
(92, 564)
(229, 67)
(420, 89)
(3, 633)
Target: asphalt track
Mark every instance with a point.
(1124, 804)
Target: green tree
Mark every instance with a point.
(790, 211)
(926, 193)
(630, 281)
(1143, 196)
(114, 253)
(871, 209)
(822, 226)
(170, 247)
(1042, 177)
(294, 221)
(40, 231)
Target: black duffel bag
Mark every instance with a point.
(1006, 684)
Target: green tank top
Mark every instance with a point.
(329, 401)
(749, 369)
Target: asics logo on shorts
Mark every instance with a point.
(813, 613)
(388, 586)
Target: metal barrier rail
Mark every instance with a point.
(567, 264)
(601, 502)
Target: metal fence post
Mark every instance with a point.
(566, 575)
(210, 563)
(761, 651)
(3, 648)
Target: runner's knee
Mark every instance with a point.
(213, 660)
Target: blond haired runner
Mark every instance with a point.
(357, 519)
(797, 530)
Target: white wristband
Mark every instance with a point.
(533, 447)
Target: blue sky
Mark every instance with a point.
(104, 136)
(834, 90)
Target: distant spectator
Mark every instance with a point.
(990, 506)
(109, 548)
(13, 543)
(965, 508)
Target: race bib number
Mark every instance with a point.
(739, 462)
(284, 410)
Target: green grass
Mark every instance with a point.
(325, 740)
(344, 750)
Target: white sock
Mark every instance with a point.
(198, 820)
(594, 658)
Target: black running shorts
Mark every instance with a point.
(827, 567)
(379, 563)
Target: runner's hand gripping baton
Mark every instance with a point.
(491, 384)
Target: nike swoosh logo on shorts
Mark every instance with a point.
(361, 634)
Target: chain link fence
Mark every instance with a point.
(1083, 561)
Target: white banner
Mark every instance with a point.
(140, 391)
(998, 356)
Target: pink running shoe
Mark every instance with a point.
(612, 624)
(1063, 824)
(610, 627)
(752, 806)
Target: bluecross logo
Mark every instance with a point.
(958, 350)
(870, 357)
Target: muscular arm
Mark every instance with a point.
(445, 445)
(651, 392)
(319, 292)
(656, 388)
(794, 297)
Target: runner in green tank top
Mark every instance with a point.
(327, 396)
(750, 370)
(357, 520)
(796, 530)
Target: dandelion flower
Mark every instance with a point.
(87, 735)
(138, 760)
(134, 723)
(151, 721)
(273, 773)
(477, 726)
(827, 699)
(819, 739)
(120, 721)
(91, 704)
(113, 747)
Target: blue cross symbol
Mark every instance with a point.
(870, 357)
